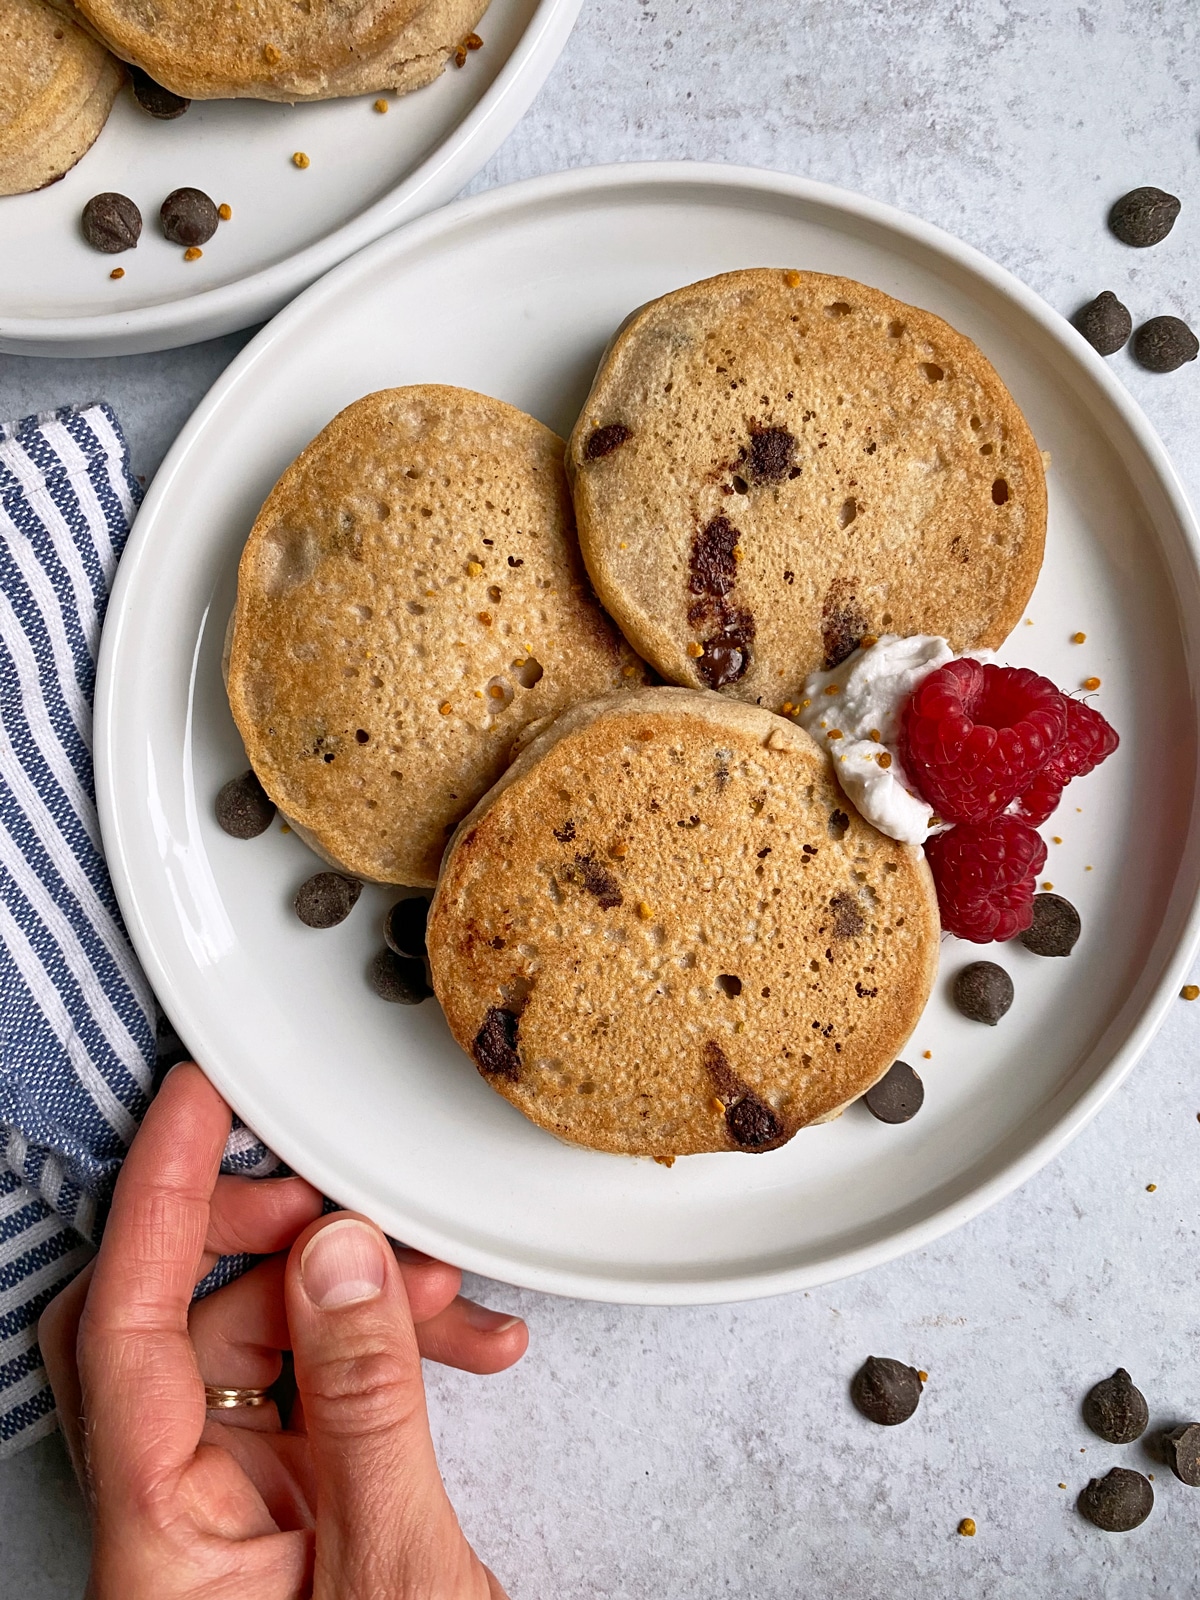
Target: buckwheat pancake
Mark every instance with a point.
(410, 597)
(772, 464)
(666, 930)
(275, 50)
(416, 56)
(57, 86)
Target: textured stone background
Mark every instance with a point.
(680, 1453)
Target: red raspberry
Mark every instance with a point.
(973, 738)
(1090, 740)
(985, 875)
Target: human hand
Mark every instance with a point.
(346, 1502)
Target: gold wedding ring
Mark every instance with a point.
(230, 1399)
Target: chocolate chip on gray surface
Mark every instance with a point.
(1105, 323)
(189, 217)
(886, 1391)
(1163, 344)
(898, 1095)
(983, 991)
(111, 223)
(1115, 1409)
(398, 979)
(1144, 216)
(404, 927)
(161, 103)
(495, 1045)
(1181, 1452)
(1055, 928)
(244, 808)
(326, 899)
(1117, 1502)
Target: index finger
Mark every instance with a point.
(142, 1393)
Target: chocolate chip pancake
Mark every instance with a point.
(665, 930)
(773, 464)
(410, 598)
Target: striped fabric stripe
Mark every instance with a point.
(79, 1047)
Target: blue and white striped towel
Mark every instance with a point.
(79, 1046)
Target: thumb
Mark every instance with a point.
(384, 1522)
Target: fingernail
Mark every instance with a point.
(343, 1264)
(485, 1321)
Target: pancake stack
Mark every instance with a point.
(57, 86)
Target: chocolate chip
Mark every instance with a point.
(188, 217)
(770, 454)
(843, 623)
(713, 562)
(1104, 322)
(592, 876)
(1116, 1410)
(244, 808)
(397, 979)
(404, 927)
(603, 441)
(1164, 343)
(1181, 1452)
(152, 97)
(886, 1391)
(752, 1124)
(326, 899)
(838, 824)
(1119, 1501)
(1143, 216)
(983, 991)
(566, 833)
(898, 1095)
(495, 1045)
(111, 223)
(1055, 927)
(723, 662)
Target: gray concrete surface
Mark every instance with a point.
(673, 1454)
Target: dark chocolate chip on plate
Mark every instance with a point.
(1163, 344)
(1055, 927)
(189, 217)
(1181, 1452)
(1115, 1409)
(404, 927)
(898, 1095)
(161, 103)
(326, 899)
(398, 979)
(244, 808)
(1144, 216)
(111, 223)
(886, 1391)
(983, 991)
(1105, 323)
(1119, 1501)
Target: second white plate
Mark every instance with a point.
(515, 293)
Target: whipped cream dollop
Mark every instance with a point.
(854, 711)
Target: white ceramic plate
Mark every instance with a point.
(368, 173)
(515, 293)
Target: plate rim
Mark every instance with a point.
(568, 187)
(474, 139)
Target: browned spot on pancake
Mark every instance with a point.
(595, 878)
(713, 563)
(843, 622)
(848, 921)
(495, 1045)
(603, 441)
(770, 453)
(721, 1075)
(752, 1123)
